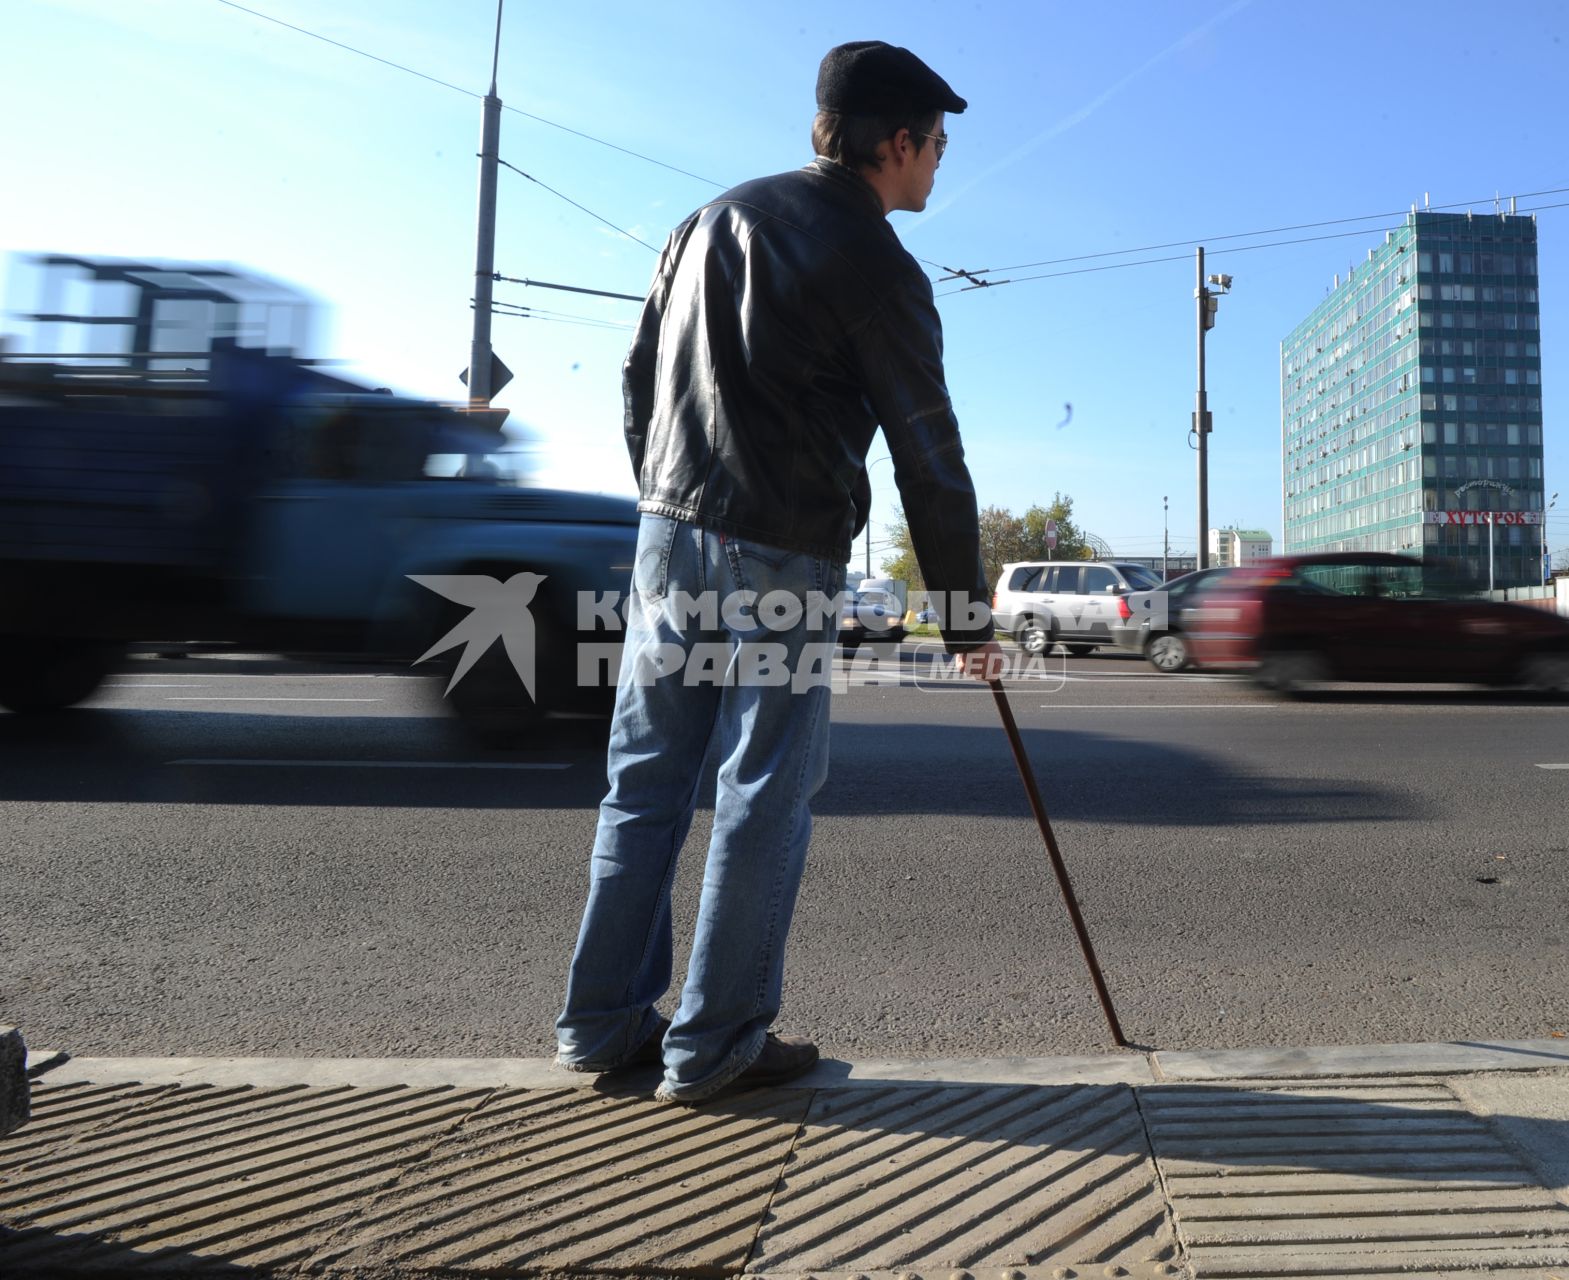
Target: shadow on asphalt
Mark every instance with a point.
(957, 770)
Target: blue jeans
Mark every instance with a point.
(704, 675)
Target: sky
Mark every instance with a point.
(1106, 141)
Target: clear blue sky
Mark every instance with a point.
(190, 129)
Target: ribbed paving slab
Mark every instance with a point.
(200, 1177)
(1355, 1178)
(575, 1180)
(969, 1178)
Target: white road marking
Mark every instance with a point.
(283, 675)
(218, 698)
(1158, 706)
(1553, 766)
(374, 764)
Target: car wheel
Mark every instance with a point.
(1167, 652)
(1292, 671)
(1546, 673)
(1081, 650)
(1033, 637)
(42, 675)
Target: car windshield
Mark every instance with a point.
(1140, 578)
(1387, 581)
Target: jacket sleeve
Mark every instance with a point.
(899, 350)
(640, 372)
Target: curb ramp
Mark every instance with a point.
(1028, 1171)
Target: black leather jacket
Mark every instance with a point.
(784, 323)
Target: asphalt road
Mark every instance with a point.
(238, 858)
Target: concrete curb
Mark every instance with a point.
(1316, 1063)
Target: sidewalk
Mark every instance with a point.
(1432, 1160)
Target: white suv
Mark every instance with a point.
(1079, 603)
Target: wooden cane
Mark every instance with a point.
(1057, 864)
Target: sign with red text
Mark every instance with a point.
(1481, 517)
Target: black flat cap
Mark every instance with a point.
(873, 78)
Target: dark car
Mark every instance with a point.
(1300, 620)
(1161, 636)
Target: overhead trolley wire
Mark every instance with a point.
(570, 288)
(975, 277)
(618, 230)
(1182, 257)
(1247, 235)
(447, 84)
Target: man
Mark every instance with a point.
(785, 322)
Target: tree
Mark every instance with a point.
(1005, 538)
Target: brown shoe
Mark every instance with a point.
(783, 1058)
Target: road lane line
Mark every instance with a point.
(1157, 706)
(1553, 766)
(373, 764)
(217, 698)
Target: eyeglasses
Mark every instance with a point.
(941, 139)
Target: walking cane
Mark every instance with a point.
(1044, 823)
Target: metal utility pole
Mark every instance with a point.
(485, 252)
(1165, 538)
(1209, 301)
(1201, 419)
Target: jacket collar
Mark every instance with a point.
(848, 179)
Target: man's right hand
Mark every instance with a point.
(986, 663)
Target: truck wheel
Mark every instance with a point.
(495, 705)
(49, 674)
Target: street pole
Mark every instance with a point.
(1201, 419)
(1546, 563)
(485, 250)
(1165, 538)
(1490, 522)
(869, 466)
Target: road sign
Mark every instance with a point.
(1051, 535)
(500, 375)
(1481, 517)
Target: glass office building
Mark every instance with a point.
(1411, 401)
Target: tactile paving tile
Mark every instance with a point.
(62, 1115)
(191, 1177)
(543, 1182)
(1358, 1178)
(965, 1177)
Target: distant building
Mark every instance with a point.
(1411, 401)
(1236, 548)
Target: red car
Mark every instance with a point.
(1301, 620)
